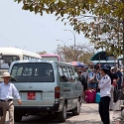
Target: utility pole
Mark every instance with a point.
(123, 38)
(74, 36)
(74, 46)
(123, 46)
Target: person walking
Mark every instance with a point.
(113, 78)
(85, 75)
(91, 79)
(7, 91)
(82, 79)
(105, 87)
(120, 78)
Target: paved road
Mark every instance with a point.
(89, 115)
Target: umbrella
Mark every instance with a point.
(77, 64)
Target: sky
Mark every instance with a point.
(25, 30)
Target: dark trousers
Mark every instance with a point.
(104, 109)
(118, 87)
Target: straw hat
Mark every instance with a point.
(6, 74)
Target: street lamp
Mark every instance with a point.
(73, 36)
(64, 42)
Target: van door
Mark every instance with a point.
(66, 88)
(78, 88)
(74, 85)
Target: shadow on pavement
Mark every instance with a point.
(84, 122)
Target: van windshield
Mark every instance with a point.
(32, 72)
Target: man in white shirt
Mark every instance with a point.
(7, 91)
(105, 88)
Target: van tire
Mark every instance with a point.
(17, 117)
(77, 110)
(62, 115)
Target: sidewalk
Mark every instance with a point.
(89, 115)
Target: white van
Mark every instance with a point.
(46, 87)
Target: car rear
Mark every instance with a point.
(37, 86)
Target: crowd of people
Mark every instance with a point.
(104, 80)
(90, 76)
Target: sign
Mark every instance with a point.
(31, 95)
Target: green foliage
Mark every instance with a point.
(106, 27)
(76, 7)
(105, 33)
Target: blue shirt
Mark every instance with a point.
(90, 75)
(119, 74)
(7, 91)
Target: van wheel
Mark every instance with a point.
(62, 115)
(17, 117)
(77, 109)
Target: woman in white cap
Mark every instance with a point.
(105, 88)
(7, 91)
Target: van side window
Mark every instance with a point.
(76, 75)
(69, 75)
(72, 76)
(62, 76)
(65, 73)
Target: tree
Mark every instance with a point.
(75, 7)
(42, 52)
(105, 33)
(82, 53)
(74, 11)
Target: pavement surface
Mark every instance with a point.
(89, 115)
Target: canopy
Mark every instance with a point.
(77, 64)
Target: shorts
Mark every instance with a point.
(92, 85)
